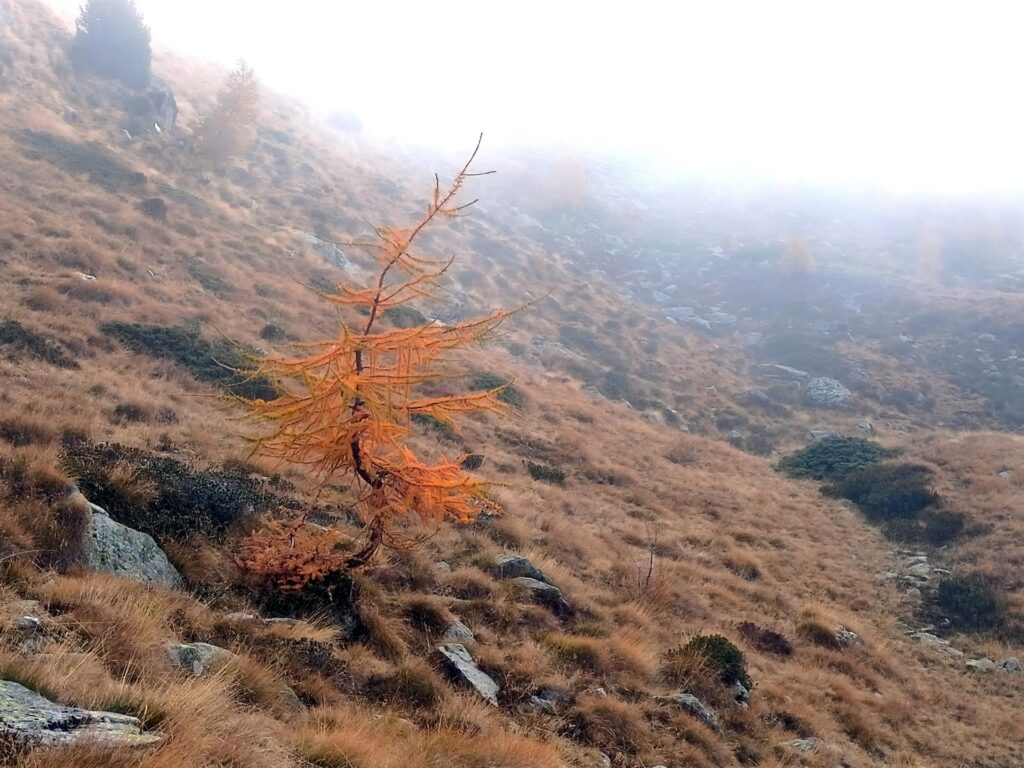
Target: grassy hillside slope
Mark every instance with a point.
(653, 534)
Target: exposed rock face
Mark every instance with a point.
(114, 548)
(545, 594)
(827, 393)
(31, 719)
(197, 657)
(330, 253)
(514, 566)
(461, 667)
(457, 632)
(693, 705)
(153, 109)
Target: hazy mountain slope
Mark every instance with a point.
(732, 540)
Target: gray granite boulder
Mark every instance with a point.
(33, 720)
(824, 392)
(114, 548)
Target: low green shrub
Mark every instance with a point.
(969, 603)
(162, 496)
(834, 457)
(545, 473)
(720, 656)
(886, 492)
(19, 338)
(405, 316)
(220, 362)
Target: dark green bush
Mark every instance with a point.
(936, 527)
(220, 362)
(434, 424)
(473, 461)
(16, 336)
(971, 603)
(834, 457)
(162, 496)
(545, 474)
(720, 655)
(887, 492)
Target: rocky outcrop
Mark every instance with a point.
(114, 548)
(155, 109)
(33, 720)
(461, 667)
(824, 392)
(514, 567)
(547, 595)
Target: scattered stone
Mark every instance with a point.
(111, 547)
(72, 116)
(1010, 666)
(981, 665)
(845, 637)
(550, 701)
(282, 621)
(196, 657)
(28, 624)
(740, 694)
(825, 392)
(545, 594)
(457, 632)
(460, 666)
(927, 638)
(239, 616)
(440, 568)
(514, 566)
(865, 426)
(693, 705)
(736, 439)
(33, 720)
(598, 692)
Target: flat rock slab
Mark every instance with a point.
(460, 665)
(34, 720)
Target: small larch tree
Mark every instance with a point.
(348, 403)
(112, 40)
(230, 127)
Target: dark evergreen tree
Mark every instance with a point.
(113, 41)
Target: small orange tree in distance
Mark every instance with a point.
(347, 405)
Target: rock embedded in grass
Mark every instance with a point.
(546, 594)
(693, 706)
(197, 657)
(111, 547)
(460, 666)
(33, 720)
(514, 566)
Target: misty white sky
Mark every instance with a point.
(912, 96)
